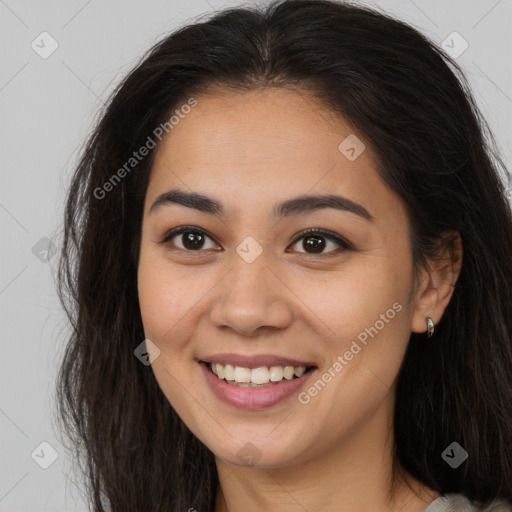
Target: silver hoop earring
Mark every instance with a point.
(430, 327)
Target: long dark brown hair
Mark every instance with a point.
(434, 148)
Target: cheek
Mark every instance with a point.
(163, 296)
(166, 292)
(365, 314)
(353, 300)
(166, 301)
(157, 304)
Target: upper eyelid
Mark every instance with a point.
(321, 232)
(171, 233)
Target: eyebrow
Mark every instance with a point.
(295, 206)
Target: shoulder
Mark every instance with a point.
(460, 503)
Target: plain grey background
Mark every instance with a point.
(48, 104)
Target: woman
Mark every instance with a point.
(289, 255)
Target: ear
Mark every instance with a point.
(436, 283)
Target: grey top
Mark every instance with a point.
(459, 503)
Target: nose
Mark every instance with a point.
(251, 298)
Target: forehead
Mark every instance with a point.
(257, 126)
(265, 145)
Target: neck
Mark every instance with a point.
(356, 476)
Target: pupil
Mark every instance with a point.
(195, 240)
(315, 243)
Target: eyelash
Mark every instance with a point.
(344, 244)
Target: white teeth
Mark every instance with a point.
(276, 373)
(220, 371)
(299, 371)
(288, 372)
(229, 372)
(260, 375)
(242, 374)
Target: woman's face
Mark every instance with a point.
(242, 289)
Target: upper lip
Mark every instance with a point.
(254, 361)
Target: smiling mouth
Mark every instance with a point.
(260, 377)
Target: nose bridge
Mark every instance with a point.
(250, 296)
(249, 273)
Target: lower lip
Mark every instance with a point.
(252, 398)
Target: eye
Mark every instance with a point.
(192, 238)
(314, 241)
